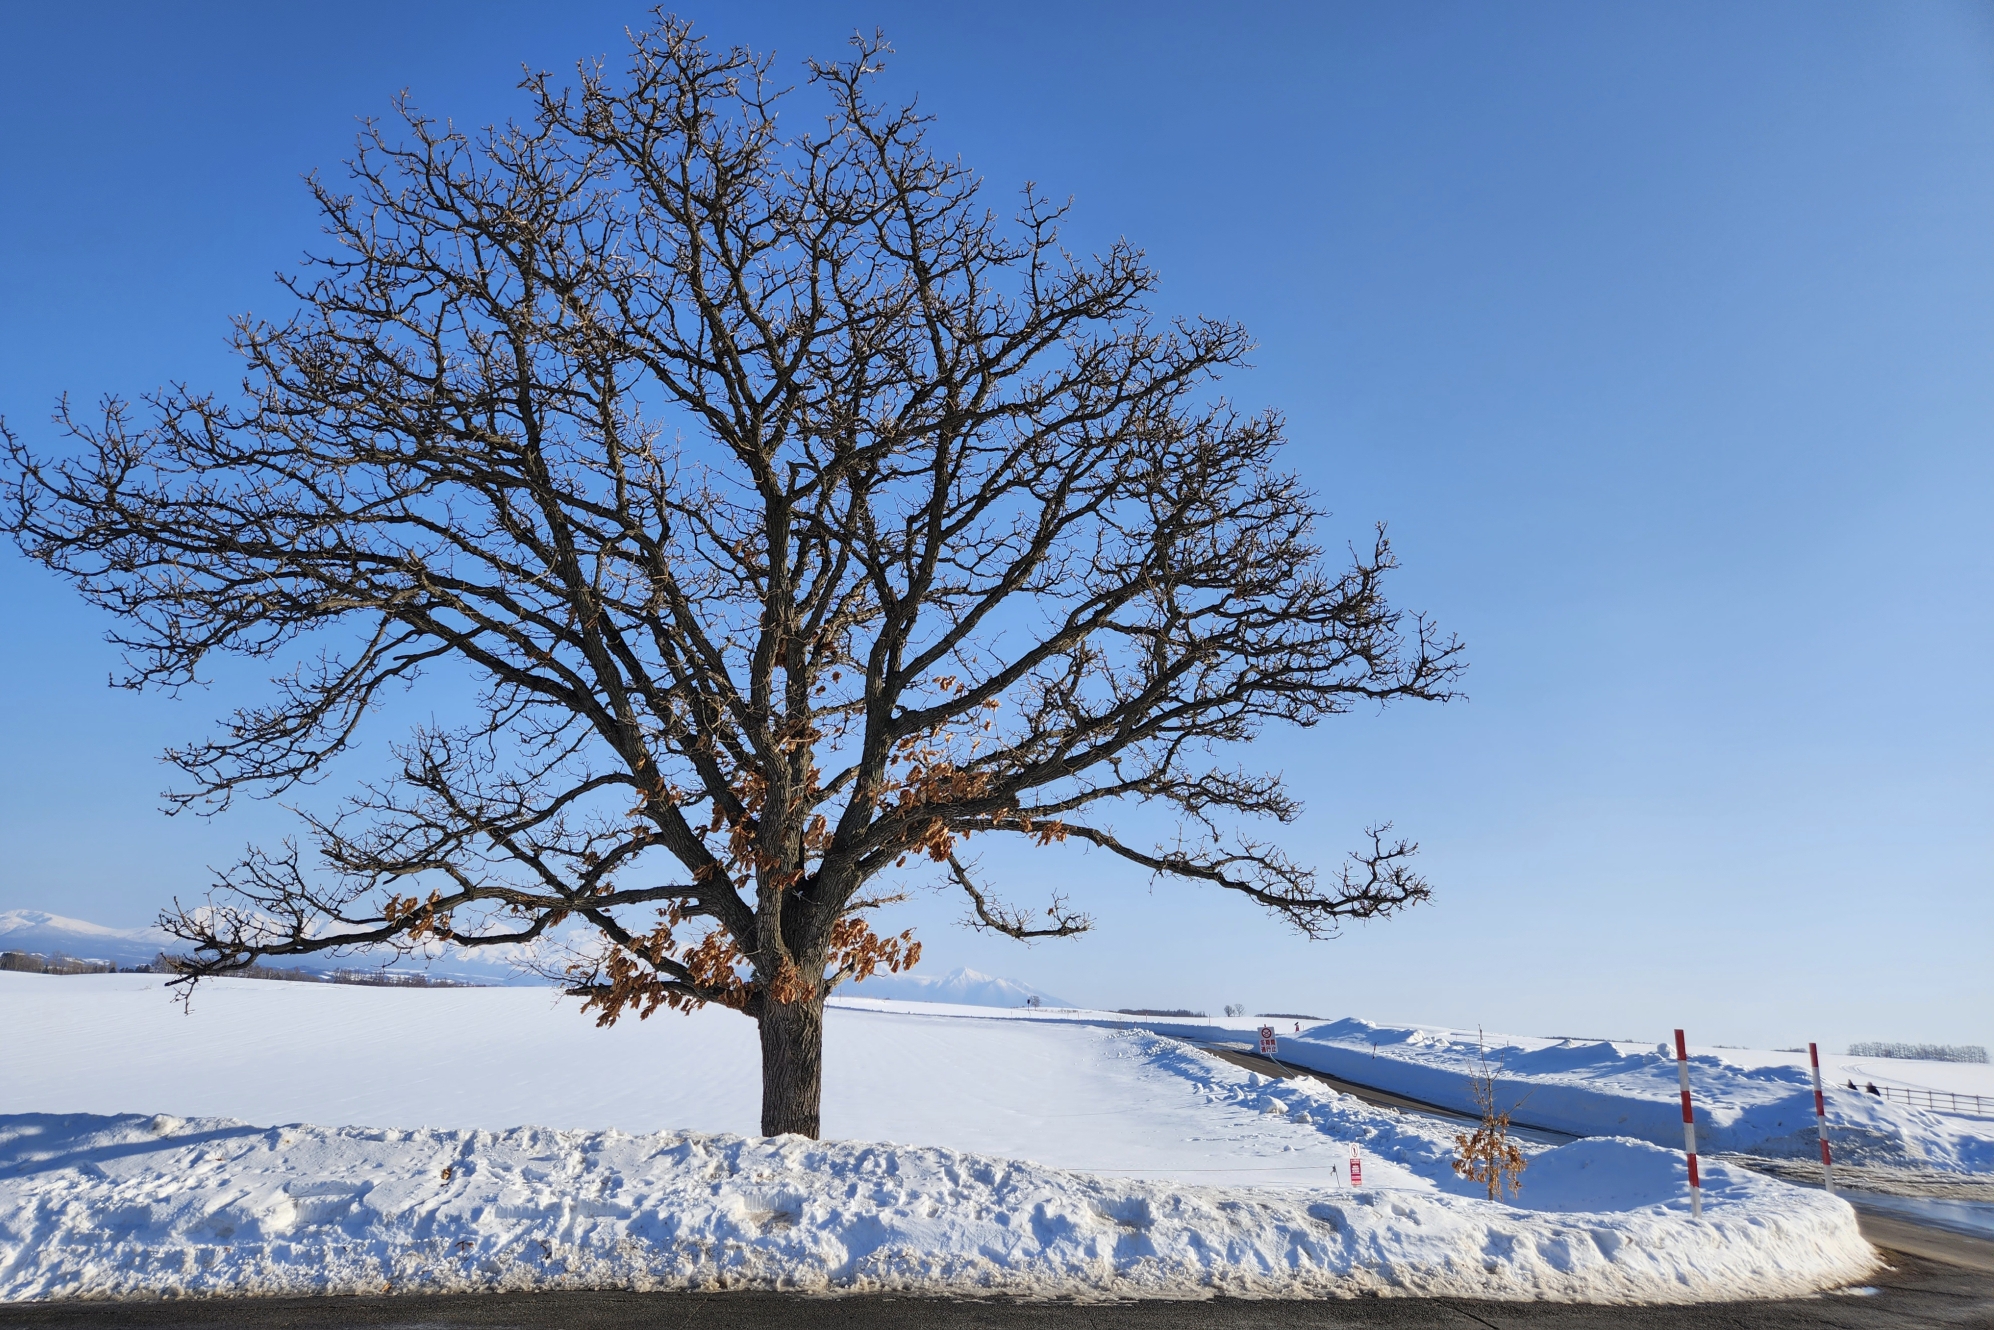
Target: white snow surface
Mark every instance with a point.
(997, 1155)
(134, 1205)
(1745, 1101)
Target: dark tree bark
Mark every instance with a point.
(793, 518)
(792, 1036)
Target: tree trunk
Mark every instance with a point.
(792, 1066)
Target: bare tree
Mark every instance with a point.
(788, 517)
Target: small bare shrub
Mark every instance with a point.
(1487, 1155)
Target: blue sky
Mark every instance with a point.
(1663, 336)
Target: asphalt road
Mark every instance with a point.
(1267, 1066)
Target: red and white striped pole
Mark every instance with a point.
(1689, 1129)
(1821, 1119)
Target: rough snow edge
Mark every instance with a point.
(101, 1207)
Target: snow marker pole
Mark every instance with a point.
(1821, 1119)
(1688, 1129)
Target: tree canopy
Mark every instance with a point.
(799, 517)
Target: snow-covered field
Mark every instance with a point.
(466, 1139)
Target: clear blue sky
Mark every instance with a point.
(1662, 335)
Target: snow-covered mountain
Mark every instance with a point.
(970, 988)
(43, 933)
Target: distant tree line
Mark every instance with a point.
(1922, 1052)
(31, 962)
(1158, 1011)
(372, 978)
(1239, 1009)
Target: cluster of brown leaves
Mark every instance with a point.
(752, 791)
(1487, 1155)
(428, 923)
(858, 953)
(933, 778)
(854, 952)
(635, 982)
(711, 962)
(744, 852)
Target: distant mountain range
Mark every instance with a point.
(46, 934)
(969, 988)
(42, 933)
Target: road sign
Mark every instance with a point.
(1267, 1042)
(1356, 1170)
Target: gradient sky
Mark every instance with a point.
(1662, 335)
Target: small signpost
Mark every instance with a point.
(1821, 1120)
(1689, 1129)
(1267, 1040)
(1356, 1170)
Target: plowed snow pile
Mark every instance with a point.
(107, 1206)
(1745, 1102)
(977, 1156)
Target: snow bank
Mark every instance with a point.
(1743, 1105)
(111, 1206)
(1019, 1155)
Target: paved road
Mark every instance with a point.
(1267, 1066)
(1895, 1233)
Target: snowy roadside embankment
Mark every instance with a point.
(1156, 1169)
(1596, 1088)
(133, 1206)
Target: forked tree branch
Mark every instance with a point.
(997, 917)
